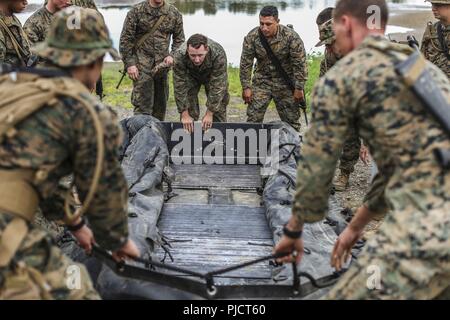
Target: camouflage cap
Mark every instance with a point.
(439, 1)
(326, 34)
(77, 37)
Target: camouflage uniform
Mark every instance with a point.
(352, 145)
(150, 94)
(412, 247)
(266, 83)
(432, 49)
(90, 4)
(188, 78)
(37, 25)
(57, 140)
(8, 53)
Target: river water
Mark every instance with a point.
(228, 21)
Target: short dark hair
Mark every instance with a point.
(324, 15)
(269, 11)
(358, 10)
(197, 40)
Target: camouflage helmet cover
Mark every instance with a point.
(326, 34)
(77, 37)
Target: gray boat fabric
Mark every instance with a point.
(145, 162)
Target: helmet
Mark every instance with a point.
(326, 34)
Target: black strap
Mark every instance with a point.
(42, 72)
(275, 61)
(281, 70)
(208, 289)
(440, 33)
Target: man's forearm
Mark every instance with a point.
(362, 217)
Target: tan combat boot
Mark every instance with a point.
(341, 182)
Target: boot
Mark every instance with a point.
(341, 182)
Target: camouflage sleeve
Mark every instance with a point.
(128, 39)
(107, 211)
(321, 150)
(247, 57)
(181, 80)
(32, 31)
(423, 45)
(375, 199)
(323, 67)
(178, 34)
(218, 84)
(2, 48)
(298, 61)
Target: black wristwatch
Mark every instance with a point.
(291, 234)
(77, 226)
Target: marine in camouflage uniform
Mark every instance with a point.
(9, 53)
(431, 47)
(150, 94)
(37, 25)
(90, 4)
(266, 83)
(412, 247)
(54, 142)
(352, 145)
(212, 73)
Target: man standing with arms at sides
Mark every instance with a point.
(201, 61)
(436, 39)
(144, 43)
(409, 256)
(14, 44)
(280, 73)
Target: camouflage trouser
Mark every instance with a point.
(39, 270)
(350, 153)
(150, 95)
(404, 259)
(194, 106)
(288, 109)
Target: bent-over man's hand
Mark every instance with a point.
(207, 120)
(187, 121)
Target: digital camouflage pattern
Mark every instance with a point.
(89, 4)
(352, 145)
(58, 139)
(266, 82)
(212, 73)
(150, 94)
(326, 34)
(8, 53)
(412, 246)
(37, 25)
(432, 48)
(327, 62)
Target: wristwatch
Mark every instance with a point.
(291, 234)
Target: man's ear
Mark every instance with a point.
(346, 21)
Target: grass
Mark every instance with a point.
(122, 96)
